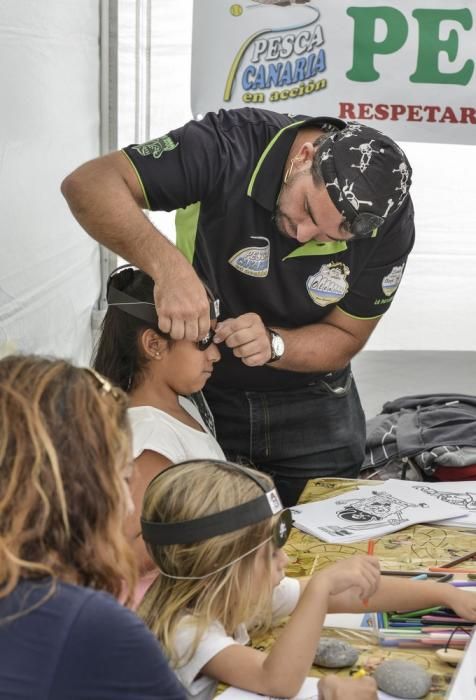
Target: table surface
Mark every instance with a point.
(412, 549)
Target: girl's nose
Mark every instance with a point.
(213, 353)
(283, 559)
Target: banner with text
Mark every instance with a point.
(406, 67)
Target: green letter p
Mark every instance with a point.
(365, 45)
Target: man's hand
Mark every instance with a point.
(336, 688)
(248, 337)
(181, 301)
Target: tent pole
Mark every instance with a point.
(109, 41)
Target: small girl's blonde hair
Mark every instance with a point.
(186, 492)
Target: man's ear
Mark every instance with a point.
(306, 152)
(152, 345)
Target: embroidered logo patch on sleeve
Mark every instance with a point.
(391, 281)
(156, 147)
(329, 284)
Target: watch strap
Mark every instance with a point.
(272, 335)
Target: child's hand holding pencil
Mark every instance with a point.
(358, 575)
(461, 602)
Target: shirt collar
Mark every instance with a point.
(266, 179)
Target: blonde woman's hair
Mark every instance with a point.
(230, 596)
(64, 443)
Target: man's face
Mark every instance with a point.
(305, 212)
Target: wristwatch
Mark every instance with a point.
(277, 346)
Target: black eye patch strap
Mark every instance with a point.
(225, 521)
(146, 310)
(140, 309)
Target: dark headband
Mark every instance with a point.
(145, 310)
(229, 520)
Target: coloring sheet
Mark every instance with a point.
(371, 511)
(309, 691)
(458, 493)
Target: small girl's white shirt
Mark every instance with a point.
(215, 639)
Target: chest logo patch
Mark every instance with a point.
(156, 147)
(252, 261)
(391, 281)
(329, 285)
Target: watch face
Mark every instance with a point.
(277, 344)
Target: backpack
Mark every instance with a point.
(423, 437)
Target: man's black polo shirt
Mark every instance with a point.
(229, 166)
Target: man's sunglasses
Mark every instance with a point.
(205, 342)
(363, 224)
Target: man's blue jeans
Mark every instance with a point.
(293, 435)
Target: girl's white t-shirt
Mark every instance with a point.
(215, 639)
(155, 430)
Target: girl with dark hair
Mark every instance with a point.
(163, 378)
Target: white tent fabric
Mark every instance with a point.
(49, 273)
(50, 119)
(435, 306)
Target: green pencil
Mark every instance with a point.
(414, 613)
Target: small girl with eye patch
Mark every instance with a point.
(163, 378)
(216, 531)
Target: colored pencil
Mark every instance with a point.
(430, 574)
(417, 613)
(454, 562)
(444, 569)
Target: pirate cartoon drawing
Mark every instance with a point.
(465, 500)
(381, 509)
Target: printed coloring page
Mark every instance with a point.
(371, 512)
(457, 493)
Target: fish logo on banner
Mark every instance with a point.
(391, 281)
(277, 63)
(329, 285)
(252, 261)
